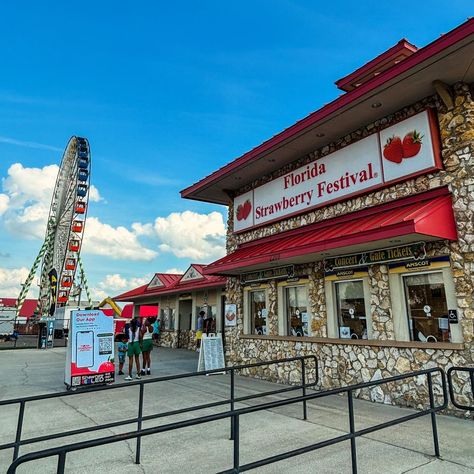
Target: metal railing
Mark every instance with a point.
(140, 418)
(450, 373)
(62, 451)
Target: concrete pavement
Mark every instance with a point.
(206, 448)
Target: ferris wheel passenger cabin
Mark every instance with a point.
(66, 281)
(82, 190)
(77, 226)
(70, 264)
(74, 245)
(80, 207)
(83, 174)
(83, 162)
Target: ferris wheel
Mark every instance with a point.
(60, 252)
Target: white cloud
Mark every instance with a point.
(94, 195)
(200, 237)
(27, 197)
(11, 280)
(24, 209)
(4, 201)
(175, 271)
(115, 283)
(143, 229)
(115, 242)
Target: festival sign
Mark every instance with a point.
(268, 274)
(398, 152)
(90, 356)
(416, 252)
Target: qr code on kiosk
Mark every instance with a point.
(105, 345)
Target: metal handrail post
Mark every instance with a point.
(61, 462)
(232, 403)
(303, 383)
(236, 443)
(139, 423)
(350, 402)
(19, 428)
(433, 416)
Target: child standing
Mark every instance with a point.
(122, 351)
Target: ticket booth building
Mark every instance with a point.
(351, 233)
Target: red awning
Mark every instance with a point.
(426, 216)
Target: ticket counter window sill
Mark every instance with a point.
(360, 342)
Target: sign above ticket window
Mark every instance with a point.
(403, 150)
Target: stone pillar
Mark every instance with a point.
(272, 318)
(457, 137)
(317, 301)
(380, 303)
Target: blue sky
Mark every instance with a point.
(167, 92)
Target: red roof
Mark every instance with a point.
(417, 217)
(381, 63)
(173, 284)
(26, 310)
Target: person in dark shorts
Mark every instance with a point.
(133, 348)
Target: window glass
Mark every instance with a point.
(167, 318)
(297, 310)
(351, 316)
(427, 307)
(258, 312)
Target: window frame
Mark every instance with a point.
(332, 304)
(248, 323)
(283, 321)
(400, 304)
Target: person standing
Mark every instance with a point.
(156, 330)
(122, 351)
(199, 326)
(147, 346)
(133, 348)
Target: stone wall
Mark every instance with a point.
(178, 339)
(343, 364)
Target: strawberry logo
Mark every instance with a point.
(395, 149)
(412, 144)
(106, 367)
(243, 210)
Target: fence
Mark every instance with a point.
(140, 418)
(451, 374)
(235, 414)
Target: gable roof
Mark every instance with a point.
(176, 284)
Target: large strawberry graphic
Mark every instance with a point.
(393, 150)
(243, 210)
(411, 144)
(246, 208)
(106, 367)
(240, 212)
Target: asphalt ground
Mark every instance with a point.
(206, 448)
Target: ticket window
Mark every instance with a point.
(427, 307)
(421, 302)
(296, 299)
(352, 311)
(258, 312)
